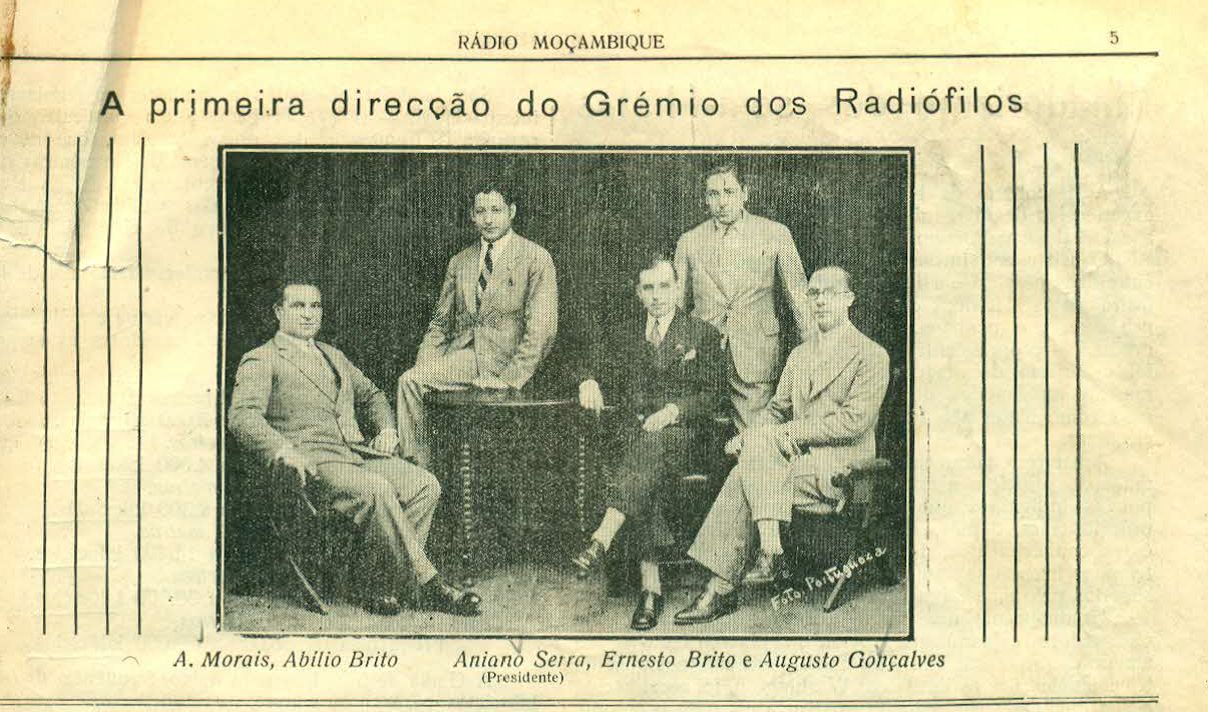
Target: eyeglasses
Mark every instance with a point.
(828, 293)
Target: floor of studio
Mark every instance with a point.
(537, 599)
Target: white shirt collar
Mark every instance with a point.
(734, 227)
(294, 341)
(663, 324)
(500, 244)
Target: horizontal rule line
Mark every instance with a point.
(679, 58)
(553, 702)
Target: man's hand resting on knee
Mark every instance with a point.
(385, 441)
(298, 463)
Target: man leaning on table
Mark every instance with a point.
(495, 320)
(663, 371)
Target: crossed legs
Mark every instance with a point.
(643, 482)
(756, 497)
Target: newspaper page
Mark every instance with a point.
(619, 355)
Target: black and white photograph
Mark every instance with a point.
(566, 392)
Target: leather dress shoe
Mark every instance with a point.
(708, 606)
(765, 570)
(381, 605)
(436, 595)
(589, 558)
(646, 615)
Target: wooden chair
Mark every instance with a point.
(290, 529)
(312, 545)
(869, 535)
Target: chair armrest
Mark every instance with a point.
(867, 468)
(287, 493)
(860, 480)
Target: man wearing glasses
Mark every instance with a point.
(822, 418)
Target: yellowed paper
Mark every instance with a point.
(1013, 193)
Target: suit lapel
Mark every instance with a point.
(676, 334)
(713, 260)
(283, 350)
(343, 386)
(638, 358)
(832, 359)
(468, 278)
(666, 352)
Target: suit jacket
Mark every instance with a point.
(277, 402)
(686, 369)
(730, 281)
(831, 391)
(516, 325)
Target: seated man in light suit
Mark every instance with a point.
(294, 405)
(822, 419)
(663, 371)
(495, 320)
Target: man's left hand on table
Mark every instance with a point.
(661, 418)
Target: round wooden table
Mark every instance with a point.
(472, 415)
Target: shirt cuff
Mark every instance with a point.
(675, 412)
(282, 451)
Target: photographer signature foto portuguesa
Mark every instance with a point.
(829, 576)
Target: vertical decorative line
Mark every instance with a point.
(983, 383)
(108, 372)
(1046, 393)
(75, 487)
(45, 374)
(1014, 402)
(1077, 399)
(138, 457)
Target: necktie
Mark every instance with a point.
(485, 274)
(652, 335)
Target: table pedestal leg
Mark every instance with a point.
(581, 491)
(466, 469)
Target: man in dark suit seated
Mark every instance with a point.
(295, 405)
(663, 371)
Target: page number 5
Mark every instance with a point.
(1113, 38)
